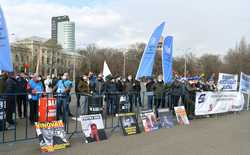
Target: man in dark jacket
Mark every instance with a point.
(137, 92)
(130, 91)
(150, 89)
(159, 92)
(110, 90)
(99, 86)
(3, 79)
(11, 90)
(22, 97)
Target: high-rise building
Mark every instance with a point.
(54, 25)
(66, 36)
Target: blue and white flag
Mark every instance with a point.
(148, 57)
(244, 83)
(167, 59)
(5, 53)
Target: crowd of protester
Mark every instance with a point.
(23, 91)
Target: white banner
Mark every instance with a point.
(218, 102)
(227, 81)
(244, 83)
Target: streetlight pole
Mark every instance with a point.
(124, 63)
(185, 67)
(185, 62)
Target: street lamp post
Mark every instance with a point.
(185, 62)
(124, 63)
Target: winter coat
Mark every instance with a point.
(83, 86)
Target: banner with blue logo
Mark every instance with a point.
(148, 57)
(227, 82)
(5, 53)
(167, 59)
(244, 83)
(218, 102)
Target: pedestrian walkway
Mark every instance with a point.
(223, 135)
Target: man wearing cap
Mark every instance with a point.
(63, 88)
(35, 87)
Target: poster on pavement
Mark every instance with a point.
(129, 123)
(166, 118)
(149, 121)
(181, 115)
(51, 136)
(93, 128)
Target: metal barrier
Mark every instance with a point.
(108, 104)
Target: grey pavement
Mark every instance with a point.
(227, 134)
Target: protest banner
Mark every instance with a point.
(47, 109)
(166, 118)
(218, 102)
(244, 83)
(149, 121)
(129, 123)
(2, 113)
(51, 136)
(93, 128)
(181, 115)
(227, 82)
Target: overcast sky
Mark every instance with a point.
(211, 26)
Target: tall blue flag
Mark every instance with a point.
(167, 59)
(148, 57)
(5, 53)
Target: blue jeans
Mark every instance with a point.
(62, 108)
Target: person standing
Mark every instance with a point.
(35, 87)
(22, 97)
(63, 88)
(159, 92)
(11, 92)
(129, 90)
(48, 86)
(3, 78)
(137, 92)
(111, 90)
(150, 89)
(99, 86)
(83, 89)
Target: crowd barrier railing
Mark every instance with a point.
(108, 104)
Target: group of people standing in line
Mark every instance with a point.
(26, 90)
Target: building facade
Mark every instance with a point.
(54, 25)
(37, 55)
(66, 36)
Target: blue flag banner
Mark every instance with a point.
(148, 57)
(167, 59)
(5, 53)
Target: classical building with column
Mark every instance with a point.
(36, 54)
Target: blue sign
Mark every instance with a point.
(148, 57)
(244, 83)
(167, 59)
(5, 53)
